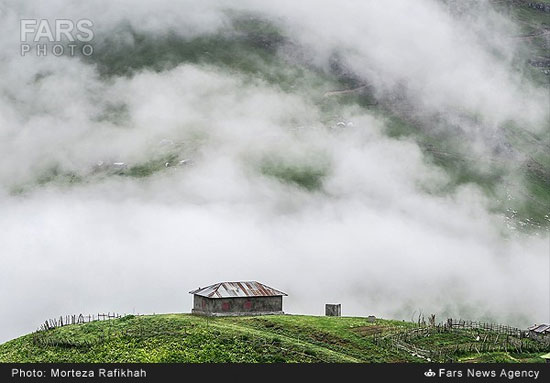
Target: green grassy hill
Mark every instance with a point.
(285, 338)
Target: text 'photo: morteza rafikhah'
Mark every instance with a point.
(334, 184)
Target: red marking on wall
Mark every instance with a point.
(248, 305)
(226, 306)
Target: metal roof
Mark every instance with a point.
(237, 289)
(541, 328)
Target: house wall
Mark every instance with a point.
(237, 306)
(540, 336)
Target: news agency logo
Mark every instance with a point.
(429, 373)
(58, 38)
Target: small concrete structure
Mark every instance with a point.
(371, 318)
(333, 309)
(237, 298)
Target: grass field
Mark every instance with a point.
(286, 338)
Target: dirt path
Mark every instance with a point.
(343, 91)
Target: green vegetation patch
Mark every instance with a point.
(183, 338)
(305, 172)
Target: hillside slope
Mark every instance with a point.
(513, 172)
(286, 338)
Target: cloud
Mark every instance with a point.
(276, 190)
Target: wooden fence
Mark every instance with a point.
(66, 320)
(490, 337)
(493, 327)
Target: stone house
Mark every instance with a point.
(237, 298)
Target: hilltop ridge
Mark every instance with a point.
(182, 338)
